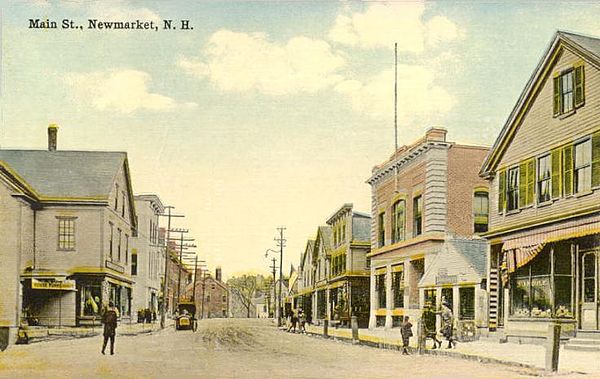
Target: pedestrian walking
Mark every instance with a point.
(428, 316)
(294, 321)
(109, 319)
(406, 332)
(448, 325)
(302, 320)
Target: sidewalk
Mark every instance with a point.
(484, 350)
(40, 333)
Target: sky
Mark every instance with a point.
(267, 113)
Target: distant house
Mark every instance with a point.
(76, 220)
(147, 254)
(544, 175)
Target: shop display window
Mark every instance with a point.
(542, 290)
(467, 303)
(91, 295)
(398, 286)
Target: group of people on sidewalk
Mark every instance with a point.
(428, 318)
(296, 317)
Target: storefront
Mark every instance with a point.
(551, 276)
(49, 301)
(95, 292)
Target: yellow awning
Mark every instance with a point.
(337, 284)
(398, 268)
(380, 271)
(118, 282)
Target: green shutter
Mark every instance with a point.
(530, 181)
(579, 84)
(557, 94)
(501, 190)
(596, 159)
(568, 170)
(523, 184)
(556, 173)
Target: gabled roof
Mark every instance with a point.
(310, 245)
(585, 46)
(66, 176)
(324, 237)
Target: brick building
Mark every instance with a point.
(428, 202)
(211, 295)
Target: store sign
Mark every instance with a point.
(446, 279)
(114, 266)
(51, 284)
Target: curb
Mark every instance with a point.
(52, 336)
(452, 354)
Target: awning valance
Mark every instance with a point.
(380, 271)
(398, 268)
(521, 249)
(337, 284)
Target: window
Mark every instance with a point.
(398, 286)
(566, 92)
(110, 240)
(134, 262)
(542, 290)
(467, 303)
(512, 189)
(480, 212)
(224, 298)
(569, 89)
(398, 221)
(380, 288)
(582, 173)
(90, 295)
(544, 179)
(116, 196)
(66, 234)
(123, 205)
(430, 298)
(381, 229)
(126, 248)
(417, 215)
(119, 244)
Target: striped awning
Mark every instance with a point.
(521, 249)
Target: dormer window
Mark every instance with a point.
(568, 89)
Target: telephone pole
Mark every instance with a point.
(281, 244)
(273, 268)
(163, 306)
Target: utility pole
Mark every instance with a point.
(273, 268)
(163, 307)
(203, 291)
(281, 244)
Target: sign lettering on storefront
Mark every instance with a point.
(446, 279)
(114, 266)
(64, 285)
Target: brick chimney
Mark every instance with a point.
(52, 137)
(436, 134)
(218, 274)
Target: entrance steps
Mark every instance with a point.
(586, 340)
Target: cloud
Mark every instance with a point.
(419, 97)
(381, 25)
(115, 10)
(125, 91)
(239, 62)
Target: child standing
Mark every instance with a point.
(406, 332)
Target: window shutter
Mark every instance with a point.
(501, 190)
(523, 184)
(530, 181)
(579, 84)
(557, 94)
(596, 159)
(556, 173)
(568, 170)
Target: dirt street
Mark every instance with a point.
(233, 348)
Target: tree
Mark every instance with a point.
(245, 288)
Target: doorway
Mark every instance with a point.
(590, 307)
